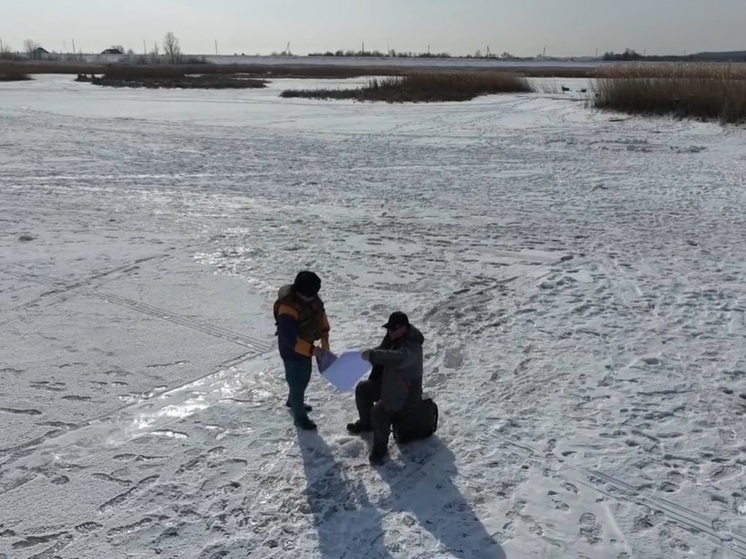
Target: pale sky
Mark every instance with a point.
(521, 27)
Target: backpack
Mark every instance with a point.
(416, 423)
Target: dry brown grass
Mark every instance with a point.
(424, 87)
(14, 77)
(712, 91)
(279, 70)
(179, 81)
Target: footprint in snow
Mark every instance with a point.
(569, 487)
(590, 529)
(559, 504)
(88, 527)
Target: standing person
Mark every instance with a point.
(301, 321)
(394, 384)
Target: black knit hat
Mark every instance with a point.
(307, 284)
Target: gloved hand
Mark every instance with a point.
(324, 360)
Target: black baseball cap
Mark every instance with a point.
(307, 283)
(396, 320)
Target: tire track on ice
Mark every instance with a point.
(608, 485)
(260, 346)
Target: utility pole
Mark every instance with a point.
(216, 47)
(74, 53)
(144, 47)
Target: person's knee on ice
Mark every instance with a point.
(301, 321)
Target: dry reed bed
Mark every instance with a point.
(714, 91)
(424, 87)
(276, 70)
(182, 82)
(14, 77)
(707, 91)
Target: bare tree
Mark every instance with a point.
(171, 47)
(29, 46)
(6, 51)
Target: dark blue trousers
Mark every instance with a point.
(298, 375)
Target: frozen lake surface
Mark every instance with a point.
(578, 277)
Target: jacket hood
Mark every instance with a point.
(414, 335)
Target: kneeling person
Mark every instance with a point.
(394, 384)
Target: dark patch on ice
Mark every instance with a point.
(74, 398)
(130, 528)
(20, 411)
(58, 424)
(165, 365)
(32, 541)
(44, 385)
(669, 487)
(88, 527)
(123, 497)
(569, 487)
(112, 479)
(138, 457)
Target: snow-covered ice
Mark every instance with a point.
(578, 277)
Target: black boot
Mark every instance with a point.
(378, 455)
(358, 427)
(305, 406)
(307, 425)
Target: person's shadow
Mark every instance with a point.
(425, 486)
(348, 525)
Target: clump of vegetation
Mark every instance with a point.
(425, 87)
(174, 80)
(701, 91)
(14, 77)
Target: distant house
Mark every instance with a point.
(40, 53)
(113, 55)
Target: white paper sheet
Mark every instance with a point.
(347, 370)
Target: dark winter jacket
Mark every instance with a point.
(398, 365)
(299, 324)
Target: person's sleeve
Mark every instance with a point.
(386, 357)
(325, 328)
(287, 332)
